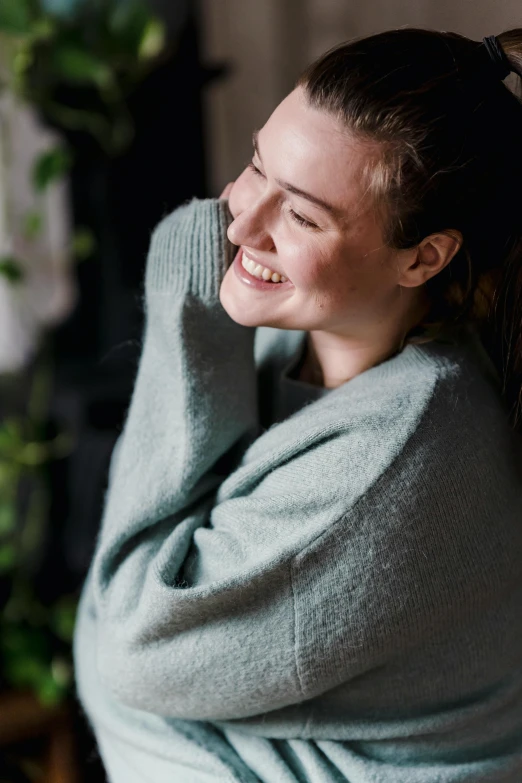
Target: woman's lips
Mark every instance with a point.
(254, 282)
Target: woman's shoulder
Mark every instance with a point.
(435, 404)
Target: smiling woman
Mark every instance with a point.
(302, 210)
(309, 563)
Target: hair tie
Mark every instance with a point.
(497, 56)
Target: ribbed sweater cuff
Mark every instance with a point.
(189, 251)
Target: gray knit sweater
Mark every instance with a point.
(333, 596)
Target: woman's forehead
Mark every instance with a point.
(310, 149)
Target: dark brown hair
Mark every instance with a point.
(449, 140)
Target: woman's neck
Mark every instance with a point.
(328, 363)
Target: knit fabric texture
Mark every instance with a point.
(334, 596)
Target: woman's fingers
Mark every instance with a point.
(227, 190)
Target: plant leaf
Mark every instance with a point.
(49, 166)
(49, 692)
(127, 23)
(43, 29)
(83, 244)
(15, 16)
(153, 40)
(7, 557)
(19, 640)
(7, 518)
(11, 435)
(61, 671)
(75, 65)
(32, 224)
(63, 618)
(22, 61)
(11, 268)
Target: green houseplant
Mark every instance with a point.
(76, 62)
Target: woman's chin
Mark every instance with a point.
(237, 311)
(246, 307)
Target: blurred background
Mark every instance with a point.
(112, 113)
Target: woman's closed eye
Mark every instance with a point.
(294, 215)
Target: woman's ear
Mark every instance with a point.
(431, 256)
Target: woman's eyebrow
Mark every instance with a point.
(334, 211)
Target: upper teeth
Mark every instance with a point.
(262, 272)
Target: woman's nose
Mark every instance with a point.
(249, 229)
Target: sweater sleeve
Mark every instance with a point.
(184, 622)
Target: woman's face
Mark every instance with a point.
(342, 277)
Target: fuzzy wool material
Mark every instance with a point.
(295, 585)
